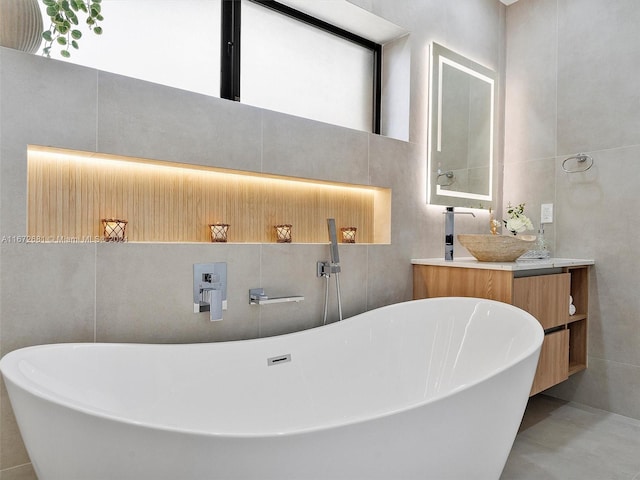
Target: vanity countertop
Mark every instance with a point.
(470, 262)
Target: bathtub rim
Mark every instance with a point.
(13, 358)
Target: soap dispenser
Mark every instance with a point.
(542, 247)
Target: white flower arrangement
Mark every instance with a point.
(517, 222)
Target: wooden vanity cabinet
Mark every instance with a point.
(543, 292)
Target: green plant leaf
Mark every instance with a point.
(63, 15)
(72, 17)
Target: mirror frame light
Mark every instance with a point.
(440, 56)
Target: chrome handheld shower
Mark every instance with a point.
(325, 269)
(333, 238)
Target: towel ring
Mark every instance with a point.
(450, 176)
(582, 159)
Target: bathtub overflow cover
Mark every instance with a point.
(278, 360)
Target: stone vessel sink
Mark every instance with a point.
(496, 248)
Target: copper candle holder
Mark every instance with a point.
(348, 234)
(114, 230)
(219, 232)
(283, 233)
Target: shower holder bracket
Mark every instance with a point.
(325, 269)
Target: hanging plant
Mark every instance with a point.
(64, 17)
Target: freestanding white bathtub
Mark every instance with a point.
(429, 389)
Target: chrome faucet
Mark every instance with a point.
(448, 231)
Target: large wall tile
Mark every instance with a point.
(590, 223)
(12, 449)
(402, 167)
(144, 293)
(56, 109)
(530, 103)
(485, 37)
(46, 294)
(306, 148)
(598, 96)
(534, 183)
(148, 120)
(606, 385)
(596, 104)
(290, 269)
(390, 276)
(614, 328)
(592, 205)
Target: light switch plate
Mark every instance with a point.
(546, 213)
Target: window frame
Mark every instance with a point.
(230, 49)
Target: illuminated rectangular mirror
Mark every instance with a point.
(461, 123)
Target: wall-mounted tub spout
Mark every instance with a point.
(258, 297)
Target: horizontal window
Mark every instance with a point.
(297, 68)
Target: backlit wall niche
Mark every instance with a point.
(70, 191)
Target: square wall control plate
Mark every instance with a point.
(546, 213)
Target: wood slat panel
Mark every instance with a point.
(69, 193)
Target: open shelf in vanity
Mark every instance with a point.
(543, 288)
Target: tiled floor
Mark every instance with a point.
(568, 441)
